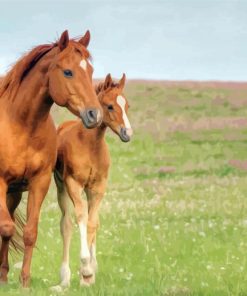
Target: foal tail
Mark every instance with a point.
(57, 177)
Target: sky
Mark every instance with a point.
(146, 39)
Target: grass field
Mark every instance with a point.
(174, 219)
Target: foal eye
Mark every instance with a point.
(110, 108)
(68, 73)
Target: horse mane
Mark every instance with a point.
(101, 86)
(24, 65)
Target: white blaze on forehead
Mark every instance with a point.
(83, 64)
(122, 102)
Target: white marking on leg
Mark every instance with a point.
(83, 64)
(84, 247)
(93, 250)
(93, 257)
(122, 102)
(65, 274)
(86, 268)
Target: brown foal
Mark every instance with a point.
(60, 73)
(82, 165)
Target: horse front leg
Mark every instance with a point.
(75, 191)
(13, 201)
(7, 226)
(38, 188)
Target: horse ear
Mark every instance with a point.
(108, 81)
(64, 40)
(85, 39)
(121, 82)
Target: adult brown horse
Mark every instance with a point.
(60, 73)
(83, 165)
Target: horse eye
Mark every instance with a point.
(68, 73)
(110, 108)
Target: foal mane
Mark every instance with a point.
(101, 86)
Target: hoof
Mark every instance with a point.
(4, 269)
(25, 281)
(3, 278)
(3, 281)
(87, 281)
(86, 268)
(7, 229)
(87, 275)
(65, 275)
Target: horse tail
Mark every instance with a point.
(16, 241)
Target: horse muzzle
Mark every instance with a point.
(91, 117)
(125, 134)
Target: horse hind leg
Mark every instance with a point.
(13, 201)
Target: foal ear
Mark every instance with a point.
(85, 39)
(108, 81)
(121, 82)
(64, 40)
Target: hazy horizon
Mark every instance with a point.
(156, 40)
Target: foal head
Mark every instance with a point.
(115, 107)
(70, 80)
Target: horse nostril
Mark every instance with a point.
(92, 115)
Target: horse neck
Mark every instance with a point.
(31, 104)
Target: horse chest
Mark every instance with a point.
(21, 159)
(19, 145)
(38, 160)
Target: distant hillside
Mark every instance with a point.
(189, 83)
(186, 83)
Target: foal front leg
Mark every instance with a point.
(13, 201)
(75, 191)
(94, 196)
(38, 188)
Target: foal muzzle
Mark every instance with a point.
(91, 117)
(125, 134)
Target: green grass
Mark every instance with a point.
(182, 232)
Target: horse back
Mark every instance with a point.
(65, 125)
